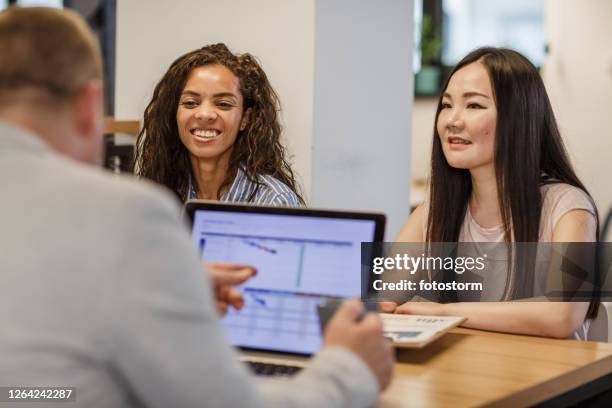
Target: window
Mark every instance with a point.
(447, 30)
(40, 3)
(469, 24)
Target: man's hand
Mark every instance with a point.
(225, 275)
(364, 338)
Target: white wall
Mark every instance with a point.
(578, 77)
(423, 116)
(363, 100)
(152, 34)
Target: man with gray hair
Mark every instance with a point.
(101, 288)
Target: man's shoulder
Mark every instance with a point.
(96, 190)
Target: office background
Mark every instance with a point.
(344, 72)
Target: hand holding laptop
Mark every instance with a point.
(224, 276)
(362, 336)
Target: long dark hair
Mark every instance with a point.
(529, 152)
(162, 157)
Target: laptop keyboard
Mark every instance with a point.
(272, 370)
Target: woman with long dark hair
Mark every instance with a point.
(211, 131)
(500, 173)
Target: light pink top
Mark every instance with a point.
(558, 200)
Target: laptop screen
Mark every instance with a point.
(301, 256)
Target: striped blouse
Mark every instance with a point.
(271, 191)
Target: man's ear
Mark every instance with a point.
(245, 119)
(89, 110)
(89, 120)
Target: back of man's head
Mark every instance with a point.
(51, 79)
(46, 48)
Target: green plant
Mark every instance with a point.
(431, 41)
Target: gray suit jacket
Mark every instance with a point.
(102, 290)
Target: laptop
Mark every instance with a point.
(302, 256)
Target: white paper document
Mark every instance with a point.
(414, 331)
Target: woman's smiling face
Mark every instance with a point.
(210, 112)
(468, 119)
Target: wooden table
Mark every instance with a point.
(111, 125)
(477, 368)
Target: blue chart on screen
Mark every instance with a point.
(299, 259)
(282, 319)
(284, 262)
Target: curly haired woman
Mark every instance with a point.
(211, 131)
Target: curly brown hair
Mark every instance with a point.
(161, 156)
